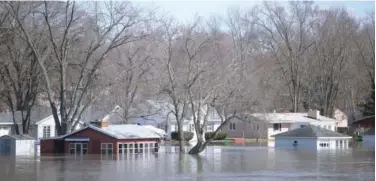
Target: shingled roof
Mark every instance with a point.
(310, 131)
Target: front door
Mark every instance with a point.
(78, 148)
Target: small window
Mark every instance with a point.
(46, 131)
(277, 126)
(106, 148)
(302, 126)
(71, 148)
(232, 126)
(329, 127)
(337, 143)
(191, 128)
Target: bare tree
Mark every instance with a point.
(131, 63)
(20, 73)
(287, 37)
(87, 47)
(331, 53)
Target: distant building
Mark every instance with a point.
(101, 138)
(17, 145)
(312, 137)
(42, 123)
(265, 125)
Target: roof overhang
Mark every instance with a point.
(77, 139)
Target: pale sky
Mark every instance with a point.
(184, 10)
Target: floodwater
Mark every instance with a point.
(218, 163)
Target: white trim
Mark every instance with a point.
(77, 139)
(6, 123)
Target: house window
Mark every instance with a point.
(302, 126)
(277, 126)
(55, 132)
(46, 131)
(106, 148)
(131, 148)
(232, 126)
(209, 127)
(77, 148)
(329, 127)
(324, 144)
(191, 128)
(337, 143)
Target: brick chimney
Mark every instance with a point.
(100, 123)
(314, 114)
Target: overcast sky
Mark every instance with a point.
(184, 10)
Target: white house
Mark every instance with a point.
(42, 124)
(17, 145)
(282, 122)
(312, 137)
(213, 122)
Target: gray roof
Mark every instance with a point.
(310, 131)
(19, 137)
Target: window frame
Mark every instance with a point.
(278, 127)
(46, 131)
(232, 127)
(107, 148)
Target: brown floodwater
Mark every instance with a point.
(218, 163)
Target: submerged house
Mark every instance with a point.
(101, 138)
(265, 125)
(312, 137)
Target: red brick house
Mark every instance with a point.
(101, 138)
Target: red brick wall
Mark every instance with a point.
(96, 138)
(47, 146)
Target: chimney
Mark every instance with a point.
(100, 124)
(314, 114)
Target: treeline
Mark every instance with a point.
(75, 54)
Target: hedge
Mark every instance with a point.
(219, 136)
(187, 135)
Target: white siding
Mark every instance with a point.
(5, 129)
(25, 147)
(272, 132)
(49, 122)
(308, 143)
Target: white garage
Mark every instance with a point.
(312, 137)
(17, 145)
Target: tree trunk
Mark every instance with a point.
(181, 136)
(17, 131)
(199, 147)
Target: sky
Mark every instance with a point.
(184, 10)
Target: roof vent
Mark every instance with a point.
(314, 114)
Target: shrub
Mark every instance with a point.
(187, 135)
(219, 136)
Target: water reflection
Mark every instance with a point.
(217, 163)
